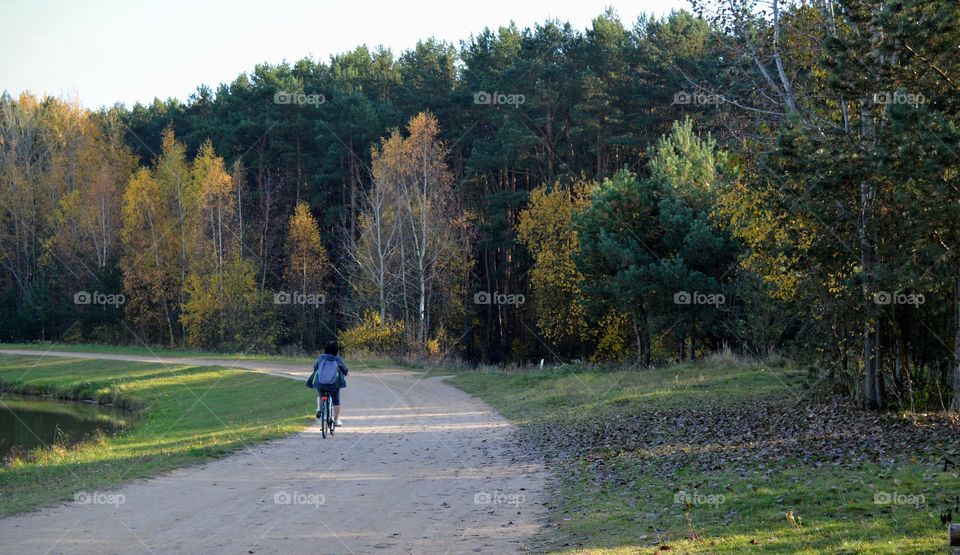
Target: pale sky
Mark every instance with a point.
(107, 51)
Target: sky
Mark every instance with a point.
(128, 51)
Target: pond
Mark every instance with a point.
(27, 422)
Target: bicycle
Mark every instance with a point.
(327, 422)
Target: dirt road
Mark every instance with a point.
(418, 467)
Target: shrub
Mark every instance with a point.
(372, 336)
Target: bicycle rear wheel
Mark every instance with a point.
(323, 418)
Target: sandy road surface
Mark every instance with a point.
(419, 467)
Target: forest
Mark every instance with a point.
(779, 181)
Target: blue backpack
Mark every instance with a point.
(327, 373)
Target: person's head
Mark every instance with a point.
(332, 348)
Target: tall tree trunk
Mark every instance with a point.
(646, 343)
(636, 335)
(956, 344)
(549, 144)
(642, 337)
(299, 173)
(489, 272)
(422, 305)
(902, 363)
(261, 146)
(354, 180)
(265, 234)
(873, 386)
(898, 383)
(403, 284)
(693, 338)
(166, 315)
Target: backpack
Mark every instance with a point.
(327, 373)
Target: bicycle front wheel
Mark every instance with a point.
(332, 424)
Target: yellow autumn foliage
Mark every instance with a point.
(372, 335)
(546, 229)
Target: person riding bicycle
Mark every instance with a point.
(324, 366)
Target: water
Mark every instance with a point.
(27, 422)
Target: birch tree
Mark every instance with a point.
(86, 234)
(412, 228)
(375, 252)
(427, 209)
(222, 305)
(154, 262)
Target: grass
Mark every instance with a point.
(360, 363)
(649, 489)
(185, 415)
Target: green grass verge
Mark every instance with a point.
(186, 415)
(619, 495)
(360, 363)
